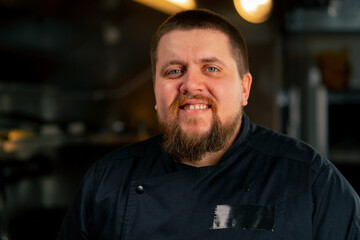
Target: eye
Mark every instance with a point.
(174, 73)
(212, 69)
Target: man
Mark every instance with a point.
(212, 174)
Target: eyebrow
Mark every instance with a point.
(178, 62)
(169, 63)
(211, 60)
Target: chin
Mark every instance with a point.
(196, 130)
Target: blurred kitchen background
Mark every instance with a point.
(75, 84)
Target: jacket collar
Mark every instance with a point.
(241, 139)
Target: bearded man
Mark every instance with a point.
(212, 174)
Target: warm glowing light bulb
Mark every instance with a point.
(169, 6)
(178, 1)
(254, 11)
(252, 5)
(186, 4)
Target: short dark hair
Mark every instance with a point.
(203, 19)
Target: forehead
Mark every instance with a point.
(194, 41)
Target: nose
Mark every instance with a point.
(192, 83)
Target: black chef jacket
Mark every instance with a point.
(266, 186)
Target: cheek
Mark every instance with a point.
(228, 94)
(164, 95)
(229, 101)
(163, 98)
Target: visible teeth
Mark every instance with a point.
(195, 107)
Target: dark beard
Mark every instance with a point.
(183, 147)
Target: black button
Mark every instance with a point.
(139, 189)
(246, 188)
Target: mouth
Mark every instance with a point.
(194, 106)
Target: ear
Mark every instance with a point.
(156, 108)
(246, 85)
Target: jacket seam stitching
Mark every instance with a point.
(279, 156)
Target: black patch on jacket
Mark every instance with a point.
(249, 217)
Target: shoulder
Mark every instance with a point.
(130, 160)
(288, 149)
(140, 149)
(276, 144)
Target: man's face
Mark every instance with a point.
(196, 79)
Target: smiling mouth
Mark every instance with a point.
(194, 106)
